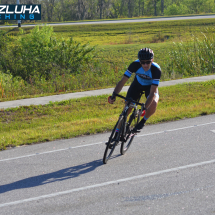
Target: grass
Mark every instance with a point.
(127, 33)
(71, 118)
(135, 33)
(122, 55)
(113, 67)
(117, 46)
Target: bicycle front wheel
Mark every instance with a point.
(113, 141)
(129, 136)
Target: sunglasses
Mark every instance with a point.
(145, 62)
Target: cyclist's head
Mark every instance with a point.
(145, 54)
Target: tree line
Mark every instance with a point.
(73, 10)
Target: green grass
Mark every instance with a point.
(113, 67)
(130, 33)
(66, 119)
(135, 33)
(120, 56)
(117, 47)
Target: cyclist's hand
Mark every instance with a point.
(111, 99)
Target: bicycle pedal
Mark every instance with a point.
(122, 139)
(134, 131)
(110, 145)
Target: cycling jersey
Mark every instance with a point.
(145, 78)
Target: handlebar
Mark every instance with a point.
(131, 100)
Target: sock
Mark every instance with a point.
(145, 119)
(116, 134)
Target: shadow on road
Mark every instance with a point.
(61, 175)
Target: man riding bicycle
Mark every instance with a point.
(147, 77)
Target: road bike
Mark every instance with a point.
(123, 130)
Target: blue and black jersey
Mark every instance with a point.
(145, 78)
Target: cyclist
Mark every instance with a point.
(147, 77)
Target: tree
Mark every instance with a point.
(196, 6)
(48, 9)
(130, 8)
(81, 9)
(162, 7)
(140, 5)
(67, 10)
(209, 6)
(92, 9)
(176, 9)
(155, 7)
(100, 8)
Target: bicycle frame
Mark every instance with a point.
(131, 104)
(124, 127)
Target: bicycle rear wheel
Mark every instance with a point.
(112, 142)
(129, 136)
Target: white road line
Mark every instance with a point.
(31, 155)
(106, 183)
(58, 150)
(176, 129)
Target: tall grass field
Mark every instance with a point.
(101, 54)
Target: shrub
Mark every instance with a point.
(175, 9)
(39, 53)
(194, 58)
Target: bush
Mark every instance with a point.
(39, 53)
(194, 58)
(174, 9)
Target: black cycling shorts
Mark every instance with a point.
(136, 89)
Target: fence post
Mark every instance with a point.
(19, 21)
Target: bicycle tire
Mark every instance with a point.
(133, 121)
(109, 151)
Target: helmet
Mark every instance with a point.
(145, 54)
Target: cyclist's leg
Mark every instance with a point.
(152, 108)
(149, 112)
(134, 92)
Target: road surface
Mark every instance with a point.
(169, 169)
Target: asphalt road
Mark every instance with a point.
(125, 21)
(169, 169)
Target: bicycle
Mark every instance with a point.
(124, 134)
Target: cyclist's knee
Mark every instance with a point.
(154, 104)
(156, 98)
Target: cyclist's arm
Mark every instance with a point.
(133, 67)
(118, 88)
(121, 84)
(151, 97)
